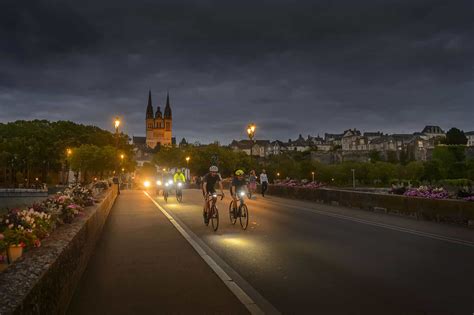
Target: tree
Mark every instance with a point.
(451, 160)
(374, 156)
(392, 157)
(37, 148)
(455, 136)
(431, 171)
(414, 170)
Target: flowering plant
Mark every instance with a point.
(26, 227)
(3, 244)
(19, 236)
(294, 183)
(427, 192)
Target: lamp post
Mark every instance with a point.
(353, 178)
(251, 133)
(312, 174)
(68, 154)
(187, 166)
(116, 177)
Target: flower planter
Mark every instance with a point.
(14, 252)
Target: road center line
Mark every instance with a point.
(243, 297)
(382, 225)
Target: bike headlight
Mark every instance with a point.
(146, 184)
(214, 195)
(242, 193)
(158, 182)
(179, 184)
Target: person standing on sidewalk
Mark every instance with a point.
(252, 183)
(264, 182)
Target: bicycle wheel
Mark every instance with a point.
(244, 216)
(215, 218)
(206, 218)
(233, 219)
(179, 196)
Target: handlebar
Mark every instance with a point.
(216, 195)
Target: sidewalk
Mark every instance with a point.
(142, 265)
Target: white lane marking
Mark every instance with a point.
(383, 225)
(243, 297)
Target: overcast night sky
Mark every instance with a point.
(290, 66)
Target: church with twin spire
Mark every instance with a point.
(158, 125)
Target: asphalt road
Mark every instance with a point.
(306, 257)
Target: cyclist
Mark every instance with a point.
(178, 177)
(238, 184)
(208, 187)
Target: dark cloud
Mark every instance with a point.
(292, 67)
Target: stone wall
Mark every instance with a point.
(454, 211)
(44, 279)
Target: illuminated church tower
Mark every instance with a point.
(158, 126)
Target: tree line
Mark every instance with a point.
(447, 162)
(38, 149)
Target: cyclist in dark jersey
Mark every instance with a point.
(238, 184)
(208, 185)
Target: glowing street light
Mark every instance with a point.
(312, 173)
(117, 123)
(251, 133)
(187, 164)
(68, 153)
(122, 156)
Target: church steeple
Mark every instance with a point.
(149, 108)
(168, 107)
(158, 113)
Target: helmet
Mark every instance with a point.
(213, 169)
(239, 172)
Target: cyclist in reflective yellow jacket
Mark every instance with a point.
(179, 177)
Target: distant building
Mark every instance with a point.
(254, 147)
(352, 140)
(470, 138)
(143, 153)
(276, 147)
(158, 125)
(334, 139)
(433, 132)
(299, 145)
(372, 135)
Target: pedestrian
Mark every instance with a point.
(264, 182)
(252, 183)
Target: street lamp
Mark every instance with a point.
(68, 153)
(353, 178)
(117, 123)
(251, 133)
(312, 173)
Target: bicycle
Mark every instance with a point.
(242, 212)
(212, 212)
(179, 192)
